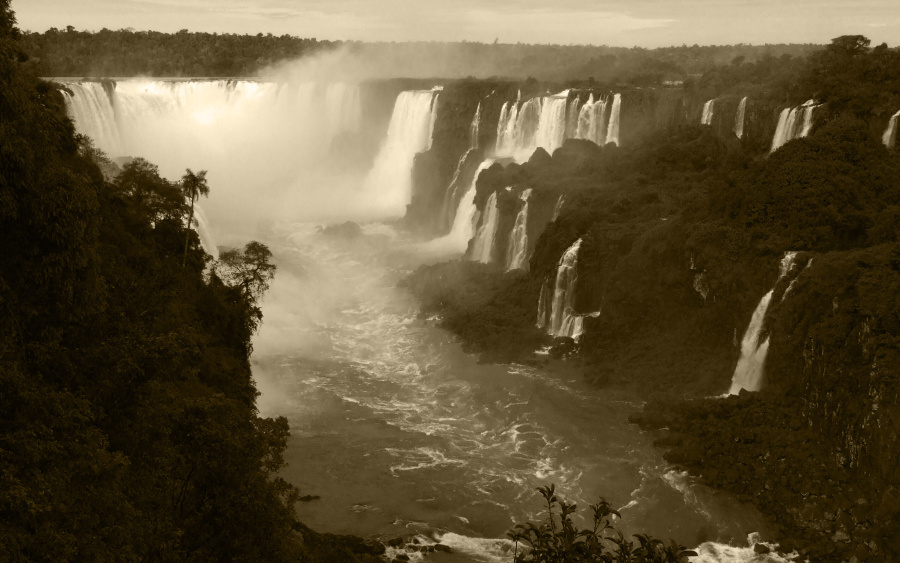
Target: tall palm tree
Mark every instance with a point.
(192, 186)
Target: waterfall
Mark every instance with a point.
(551, 131)
(464, 219)
(517, 251)
(790, 125)
(206, 239)
(559, 318)
(739, 118)
(890, 134)
(544, 300)
(808, 108)
(707, 116)
(408, 134)
(126, 120)
(451, 196)
(612, 136)
(475, 127)
(539, 122)
(487, 231)
(748, 373)
(433, 120)
(546, 122)
(592, 121)
(91, 108)
(572, 119)
(558, 208)
(181, 124)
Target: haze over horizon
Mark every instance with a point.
(643, 23)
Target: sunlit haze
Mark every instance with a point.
(646, 23)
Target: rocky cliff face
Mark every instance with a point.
(643, 114)
(682, 235)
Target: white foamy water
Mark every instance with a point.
(396, 428)
(402, 433)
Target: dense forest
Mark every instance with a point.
(130, 430)
(107, 53)
(682, 232)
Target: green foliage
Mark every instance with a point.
(563, 542)
(851, 77)
(126, 52)
(192, 187)
(130, 430)
(249, 269)
(150, 53)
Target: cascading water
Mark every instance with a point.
(456, 452)
(558, 208)
(517, 252)
(474, 128)
(546, 122)
(280, 138)
(592, 121)
(890, 134)
(409, 133)
(556, 306)
(739, 118)
(748, 373)
(791, 126)
(206, 239)
(433, 119)
(572, 114)
(464, 220)
(454, 189)
(91, 108)
(483, 244)
(612, 135)
(707, 116)
(551, 131)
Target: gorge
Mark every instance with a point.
(560, 282)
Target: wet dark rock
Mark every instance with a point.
(442, 547)
(761, 548)
(347, 230)
(395, 542)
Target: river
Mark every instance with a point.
(400, 432)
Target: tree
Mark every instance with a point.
(192, 186)
(565, 543)
(250, 269)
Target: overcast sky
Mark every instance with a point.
(648, 23)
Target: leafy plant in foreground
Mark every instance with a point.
(563, 542)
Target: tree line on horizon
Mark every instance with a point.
(126, 52)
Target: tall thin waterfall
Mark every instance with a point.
(708, 109)
(739, 118)
(572, 114)
(483, 244)
(409, 133)
(517, 251)
(556, 314)
(612, 136)
(793, 123)
(592, 121)
(433, 120)
(551, 131)
(558, 208)
(890, 134)
(464, 220)
(206, 239)
(748, 373)
(474, 128)
(455, 188)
